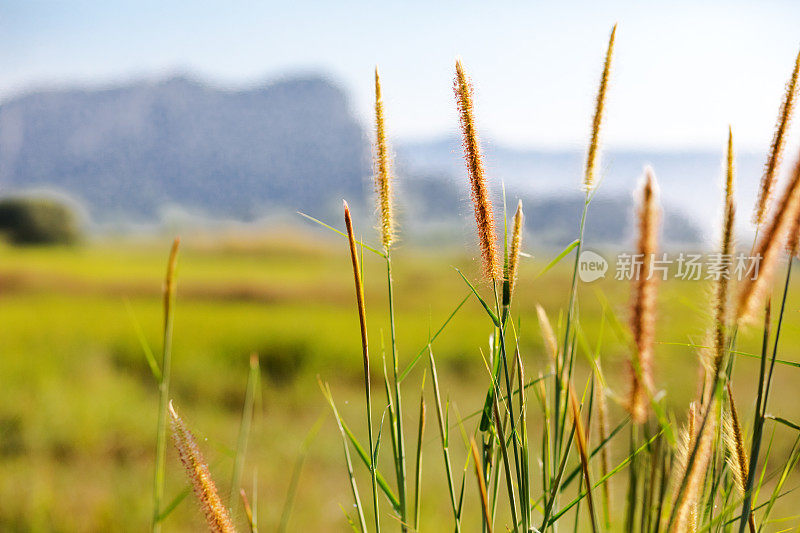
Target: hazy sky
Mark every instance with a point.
(683, 70)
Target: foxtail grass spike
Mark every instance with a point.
(643, 307)
(776, 148)
(593, 155)
(793, 241)
(753, 292)
(550, 342)
(516, 245)
(484, 214)
(383, 179)
(737, 454)
(726, 253)
(703, 439)
(197, 469)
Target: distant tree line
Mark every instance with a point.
(27, 220)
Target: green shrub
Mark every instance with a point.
(30, 220)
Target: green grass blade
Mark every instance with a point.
(424, 349)
(557, 259)
(486, 307)
(343, 234)
(142, 338)
(244, 432)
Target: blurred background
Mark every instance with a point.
(123, 124)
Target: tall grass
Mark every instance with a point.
(676, 480)
(680, 470)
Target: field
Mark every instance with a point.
(78, 402)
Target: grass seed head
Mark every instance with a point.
(196, 467)
(753, 292)
(516, 245)
(383, 178)
(734, 442)
(776, 148)
(726, 252)
(687, 505)
(593, 154)
(643, 307)
(484, 214)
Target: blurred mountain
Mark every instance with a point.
(181, 150)
(432, 202)
(130, 150)
(690, 182)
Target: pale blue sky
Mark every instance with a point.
(684, 70)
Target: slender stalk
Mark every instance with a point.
(524, 490)
(510, 404)
(418, 470)
(481, 484)
(326, 391)
(557, 435)
(163, 386)
(244, 432)
(582, 444)
(504, 452)
(400, 459)
(443, 433)
(362, 319)
(761, 401)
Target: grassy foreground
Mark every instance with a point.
(78, 401)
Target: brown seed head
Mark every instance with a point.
(550, 342)
(734, 441)
(776, 148)
(484, 215)
(359, 286)
(196, 467)
(643, 307)
(686, 506)
(593, 154)
(726, 251)
(754, 292)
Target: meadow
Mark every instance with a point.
(300, 369)
(79, 403)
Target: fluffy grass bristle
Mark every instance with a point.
(516, 245)
(643, 306)
(214, 511)
(726, 252)
(593, 154)
(383, 179)
(737, 454)
(550, 341)
(754, 292)
(484, 214)
(776, 148)
(700, 436)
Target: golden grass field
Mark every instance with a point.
(78, 402)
